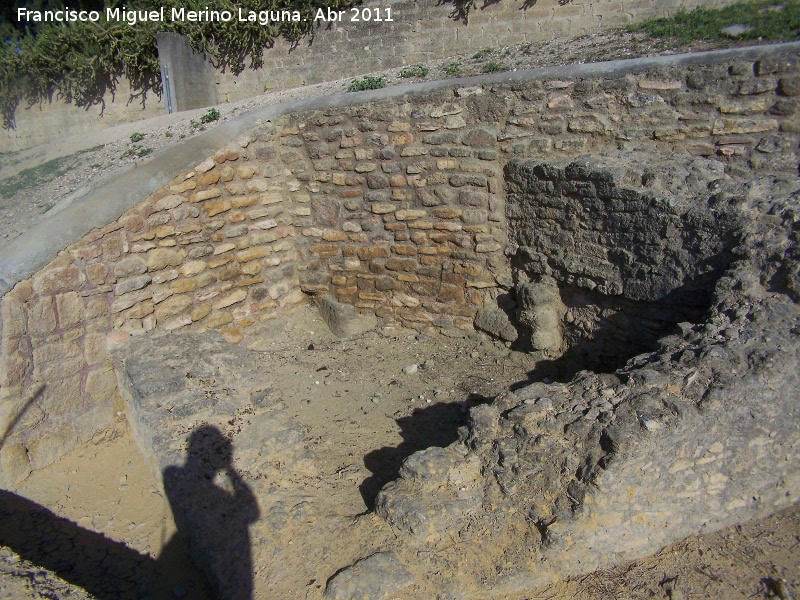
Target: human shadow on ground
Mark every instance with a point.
(435, 425)
(212, 520)
(213, 509)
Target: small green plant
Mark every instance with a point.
(168, 133)
(143, 152)
(136, 137)
(210, 116)
(452, 69)
(526, 49)
(94, 166)
(492, 67)
(368, 82)
(482, 53)
(415, 71)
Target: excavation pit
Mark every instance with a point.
(654, 294)
(649, 307)
(608, 259)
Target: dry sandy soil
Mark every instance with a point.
(362, 413)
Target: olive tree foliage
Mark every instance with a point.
(81, 62)
(463, 8)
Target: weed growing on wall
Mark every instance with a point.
(368, 82)
(415, 71)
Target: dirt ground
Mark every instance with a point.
(363, 415)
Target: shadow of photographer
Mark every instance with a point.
(213, 509)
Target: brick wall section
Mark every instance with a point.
(395, 206)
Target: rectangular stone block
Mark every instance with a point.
(325, 250)
(229, 300)
(41, 317)
(370, 252)
(739, 126)
(401, 264)
(253, 253)
(58, 279)
(205, 195)
(410, 214)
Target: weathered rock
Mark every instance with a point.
(377, 577)
(495, 321)
(204, 416)
(710, 409)
(438, 491)
(542, 311)
(344, 320)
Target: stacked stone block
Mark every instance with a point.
(213, 250)
(408, 213)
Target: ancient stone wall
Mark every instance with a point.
(408, 197)
(408, 211)
(622, 263)
(212, 250)
(397, 206)
(419, 31)
(697, 433)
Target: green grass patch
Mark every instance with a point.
(8, 159)
(368, 82)
(43, 173)
(770, 21)
(415, 71)
(492, 67)
(452, 69)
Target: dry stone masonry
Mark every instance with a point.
(632, 225)
(691, 434)
(212, 250)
